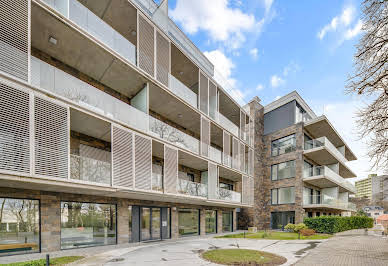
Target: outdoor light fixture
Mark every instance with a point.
(133, 32)
(53, 40)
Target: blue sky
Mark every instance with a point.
(269, 48)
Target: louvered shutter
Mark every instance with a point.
(226, 149)
(203, 93)
(205, 136)
(51, 139)
(250, 162)
(242, 157)
(122, 157)
(14, 37)
(146, 46)
(212, 180)
(162, 58)
(242, 125)
(212, 100)
(245, 189)
(170, 169)
(143, 162)
(14, 129)
(235, 153)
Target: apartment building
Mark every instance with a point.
(113, 129)
(364, 187)
(380, 188)
(302, 170)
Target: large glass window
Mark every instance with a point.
(227, 221)
(281, 219)
(211, 221)
(19, 226)
(283, 145)
(87, 224)
(308, 142)
(284, 195)
(188, 222)
(283, 170)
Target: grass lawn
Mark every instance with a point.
(42, 262)
(275, 235)
(242, 257)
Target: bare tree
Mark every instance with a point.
(371, 79)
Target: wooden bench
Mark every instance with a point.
(4, 248)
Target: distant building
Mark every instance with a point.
(364, 187)
(380, 188)
(374, 211)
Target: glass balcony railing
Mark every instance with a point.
(179, 89)
(164, 131)
(323, 141)
(191, 188)
(59, 82)
(157, 178)
(228, 195)
(88, 169)
(227, 124)
(327, 172)
(215, 154)
(98, 28)
(326, 200)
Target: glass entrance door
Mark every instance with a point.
(150, 224)
(155, 225)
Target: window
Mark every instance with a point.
(281, 219)
(87, 224)
(188, 222)
(283, 195)
(283, 145)
(283, 170)
(211, 221)
(308, 169)
(308, 143)
(318, 214)
(226, 186)
(130, 223)
(19, 226)
(227, 221)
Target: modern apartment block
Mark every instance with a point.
(364, 187)
(302, 169)
(380, 188)
(113, 129)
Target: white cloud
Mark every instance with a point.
(222, 22)
(342, 21)
(353, 32)
(276, 81)
(259, 87)
(268, 5)
(292, 67)
(254, 53)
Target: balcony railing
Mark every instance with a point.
(59, 82)
(180, 89)
(157, 178)
(326, 200)
(228, 195)
(215, 154)
(88, 169)
(326, 171)
(191, 188)
(229, 125)
(98, 28)
(164, 131)
(323, 141)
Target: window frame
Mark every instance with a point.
(280, 140)
(277, 170)
(277, 196)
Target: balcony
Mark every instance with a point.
(323, 152)
(323, 177)
(180, 90)
(327, 202)
(228, 125)
(228, 195)
(60, 83)
(91, 170)
(215, 154)
(99, 29)
(191, 188)
(164, 131)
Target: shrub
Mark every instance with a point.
(335, 224)
(296, 228)
(307, 232)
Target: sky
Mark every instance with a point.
(268, 48)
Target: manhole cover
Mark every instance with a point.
(117, 260)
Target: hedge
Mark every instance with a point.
(335, 224)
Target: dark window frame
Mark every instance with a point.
(277, 196)
(279, 140)
(277, 170)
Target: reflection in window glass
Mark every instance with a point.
(188, 222)
(227, 221)
(284, 195)
(283, 145)
(211, 221)
(283, 170)
(87, 224)
(19, 226)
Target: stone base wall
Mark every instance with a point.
(50, 213)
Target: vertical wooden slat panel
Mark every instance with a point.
(212, 180)
(170, 169)
(143, 162)
(14, 37)
(14, 129)
(212, 100)
(51, 139)
(226, 149)
(242, 157)
(146, 46)
(203, 93)
(205, 136)
(162, 58)
(122, 158)
(235, 154)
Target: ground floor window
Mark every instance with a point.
(227, 221)
(281, 219)
(87, 224)
(188, 222)
(211, 221)
(19, 226)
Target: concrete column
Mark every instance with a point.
(50, 208)
(174, 223)
(122, 222)
(219, 221)
(202, 222)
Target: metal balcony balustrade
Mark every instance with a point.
(227, 124)
(182, 91)
(328, 201)
(228, 195)
(191, 188)
(91, 170)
